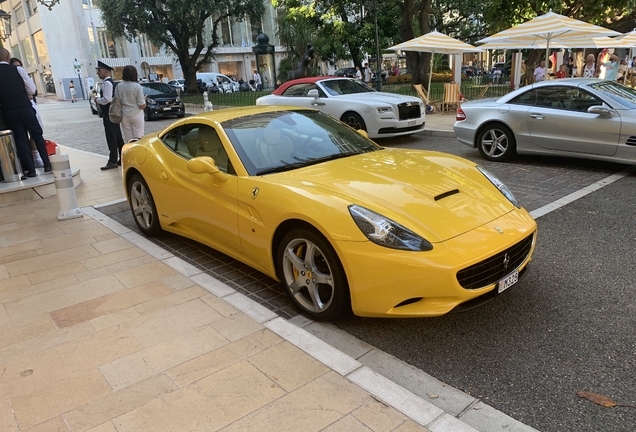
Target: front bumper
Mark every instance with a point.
(392, 283)
(392, 128)
(165, 110)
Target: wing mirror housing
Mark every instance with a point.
(206, 165)
(363, 133)
(314, 94)
(598, 109)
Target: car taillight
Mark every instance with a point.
(460, 115)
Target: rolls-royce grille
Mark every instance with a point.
(493, 269)
(409, 110)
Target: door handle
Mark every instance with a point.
(537, 116)
(163, 175)
(318, 103)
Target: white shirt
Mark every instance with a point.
(107, 92)
(358, 74)
(29, 85)
(367, 75)
(539, 74)
(257, 78)
(132, 97)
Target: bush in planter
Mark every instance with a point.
(400, 79)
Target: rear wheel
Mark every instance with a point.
(313, 275)
(142, 206)
(354, 120)
(496, 142)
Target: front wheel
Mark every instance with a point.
(143, 207)
(313, 275)
(496, 143)
(354, 120)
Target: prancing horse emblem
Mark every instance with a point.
(255, 192)
(506, 261)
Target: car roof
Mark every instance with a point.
(309, 80)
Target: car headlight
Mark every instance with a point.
(384, 110)
(385, 232)
(499, 185)
(151, 101)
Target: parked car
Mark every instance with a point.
(349, 72)
(381, 115)
(161, 101)
(573, 117)
(177, 84)
(223, 82)
(343, 223)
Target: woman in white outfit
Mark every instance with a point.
(133, 104)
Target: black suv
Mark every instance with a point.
(346, 72)
(161, 101)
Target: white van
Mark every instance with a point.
(222, 81)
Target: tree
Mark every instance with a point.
(178, 24)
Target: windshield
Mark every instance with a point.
(285, 140)
(337, 87)
(151, 89)
(624, 95)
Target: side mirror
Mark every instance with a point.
(363, 133)
(206, 165)
(598, 109)
(313, 93)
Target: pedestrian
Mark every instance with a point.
(603, 57)
(28, 83)
(539, 72)
(358, 73)
(257, 81)
(367, 74)
(112, 130)
(496, 76)
(561, 72)
(589, 68)
(71, 87)
(611, 67)
(15, 88)
(133, 103)
(570, 67)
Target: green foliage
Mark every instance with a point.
(180, 25)
(284, 68)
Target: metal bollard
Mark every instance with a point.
(207, 105)
(9, 160)
(64, 185)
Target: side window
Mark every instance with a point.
(297, 90)
(205, 141)
(171, 138)
(580, 100)
(527, 98)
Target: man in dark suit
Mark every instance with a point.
(20, 116)
(113, 133)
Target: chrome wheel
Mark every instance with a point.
(142, 206)
(497, 143)
(313, 275)
(354, 120)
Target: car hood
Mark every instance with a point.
(439, 196)
(378, 97)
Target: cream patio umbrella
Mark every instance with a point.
(551, 28)
(435, 42)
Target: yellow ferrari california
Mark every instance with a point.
(343, 223)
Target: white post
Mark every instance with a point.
(516, 73)
(457, 68)
(64, 186)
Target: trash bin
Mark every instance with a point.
(9, 161)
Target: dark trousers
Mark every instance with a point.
(21, 120)
(113, 138)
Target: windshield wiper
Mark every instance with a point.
(307, 162)
(282, 168)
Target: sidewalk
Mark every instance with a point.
(102, 331)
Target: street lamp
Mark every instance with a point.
(5, 23)
(48, 3)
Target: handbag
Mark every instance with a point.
(114, 111)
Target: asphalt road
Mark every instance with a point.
(568, 325)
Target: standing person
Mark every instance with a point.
(611, 67)
(19, 114)
(113, 132)
(358, 73)
(71, 87)
(258, 82)
(29, 84)
(367, 74)
(589, 68)
(539, 72)
(603, 57)
(133, 103)
(570, 67)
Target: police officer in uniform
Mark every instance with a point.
(113, 132)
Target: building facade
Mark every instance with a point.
(63, 44)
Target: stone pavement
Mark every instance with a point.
(102, 332)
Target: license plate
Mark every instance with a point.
(507, 282)
(412, 123)
(167, 108)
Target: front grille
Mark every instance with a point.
(631, 141)
(409, 110)
(493, 269)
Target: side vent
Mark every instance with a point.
(631, 141)
(446, 194)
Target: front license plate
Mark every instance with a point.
(167, 108)
(412, 123)
(507, 282)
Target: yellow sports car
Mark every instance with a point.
(343, 223)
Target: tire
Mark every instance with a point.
(496, 142)
(142, 206)
(180, 115)
(354, 120)
(312, 275)
(147, 117)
